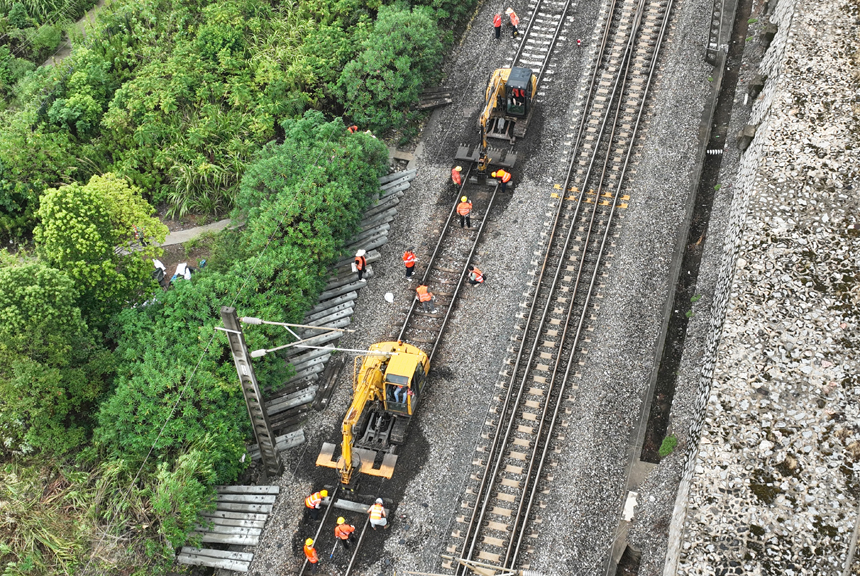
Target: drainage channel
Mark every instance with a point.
(685, 295)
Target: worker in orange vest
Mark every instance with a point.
(353, 129)
(515, 21)
(360, 264)
(344, 532)
(377, 514)
(409, 260)
(311, 554)
(312, 503)
(497, 25)
(475, 276)
(464, 209)
(504, 178)
(456, 177)
(426, 298)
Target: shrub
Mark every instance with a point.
(401, 55)
(18, 17)
(668, 445)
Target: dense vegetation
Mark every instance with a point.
(119, 406)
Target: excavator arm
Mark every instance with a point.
(367, 388)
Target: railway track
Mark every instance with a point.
(446, 268)
(522, 437)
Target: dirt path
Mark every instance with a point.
(64, 50)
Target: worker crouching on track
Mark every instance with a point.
(344, 532)
(475, 276)
(377, 515)
(457, 178)
(313, 502)
(504, 178)
(464, 209)
(426, 298)
(311, 555)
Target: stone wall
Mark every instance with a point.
(770, 483)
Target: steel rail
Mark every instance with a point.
(463, 273)
(357, 547)
(322, 523)
(512, 552)
(522, 514)
(435, 253)
(495, 446)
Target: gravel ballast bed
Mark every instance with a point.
(433, 468)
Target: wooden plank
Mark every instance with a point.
(211, 552)
(234, 565)
(248, 489)
(257, 508)
(248, 498)
(234, 515)
(228, 539)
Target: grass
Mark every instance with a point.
(668, 445)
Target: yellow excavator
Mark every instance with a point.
(508, 108)
(388, 384)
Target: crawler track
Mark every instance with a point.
(447, 267)
(512, 459)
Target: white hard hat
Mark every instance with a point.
(508, 11)
(360, 253)
(379, 500)
(389, 297)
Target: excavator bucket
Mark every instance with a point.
(498, 156)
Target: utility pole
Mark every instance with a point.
(251, 390)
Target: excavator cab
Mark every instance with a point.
(518, 92)
(404, 381)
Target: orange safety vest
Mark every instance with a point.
(455, 177)
(360, 262)
(313, 500)
(311, 554)
(376, 512)
(503, 176)
(353, 129)
(423, 296)
(343, 531)
(479, 276)
(515, 20)
(464, 208)
(497, 21)
(409, 259)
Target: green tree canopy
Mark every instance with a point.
(401, 55)
(89, 232)
(52, 371)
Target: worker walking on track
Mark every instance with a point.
(504, 178)
(456, 177)
(475, 276)
(497, 25)
(344, 532)
(313, 502)
(360, 264)
(464, 209)
(426, 298)
(409, 260)
(515, 21)
(377, 514)
(311, 555)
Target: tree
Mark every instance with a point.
(400, 56)
(91, 233)
(52, 371)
